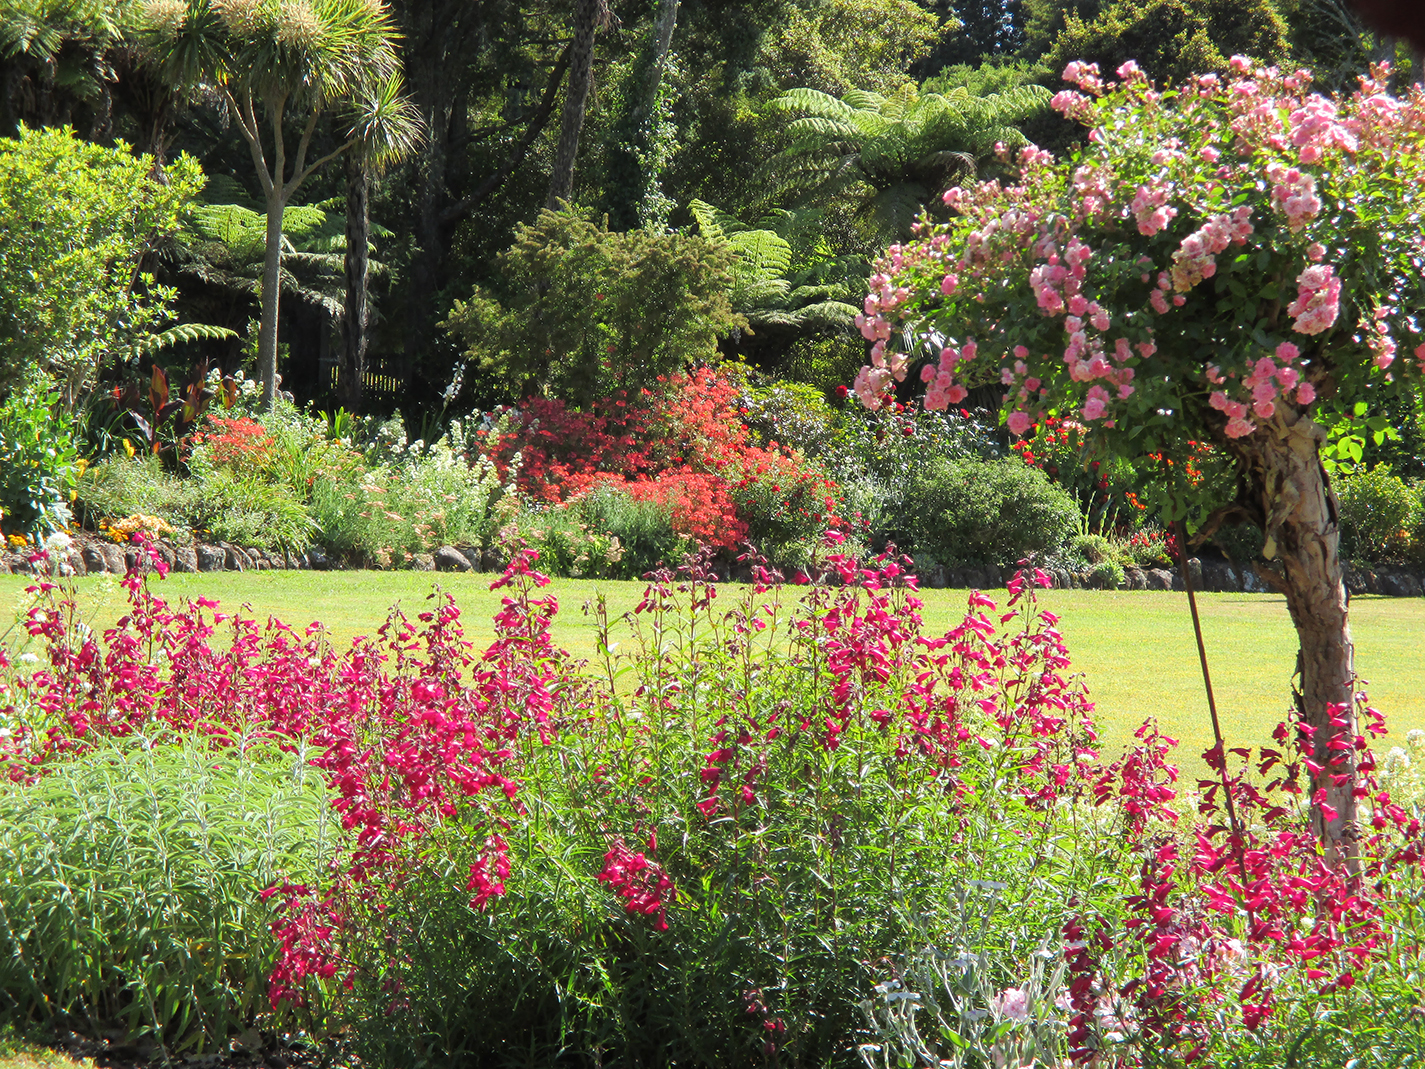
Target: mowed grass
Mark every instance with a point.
(1135, 648)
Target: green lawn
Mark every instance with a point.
(1135, 647)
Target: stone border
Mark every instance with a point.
(1210, 576)
(93, 555)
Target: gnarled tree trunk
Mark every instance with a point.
(1289, 490)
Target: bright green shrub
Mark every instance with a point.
(985, 512)
(1379, 514)
(78, 219)
(132, 881)
(217, 506)
(37, 462)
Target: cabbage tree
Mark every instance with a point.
(278, 65)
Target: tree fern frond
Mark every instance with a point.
(183, 332)
(815, 128)
(762, 253)
(814, 102)
(826, 315)
(864, 101)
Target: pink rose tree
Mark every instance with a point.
(1236, 261)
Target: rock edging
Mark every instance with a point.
(91, 554)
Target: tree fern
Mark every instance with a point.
(767, 289)
(891, 154)
(183, 332)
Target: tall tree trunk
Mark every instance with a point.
(435, 101)
(589, 16)
(1290, 491)
(271, 298)
(357, 265)
(628, 156)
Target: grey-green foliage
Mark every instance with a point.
(948, 1007)
(250, 512)
(219, 505)
(985, 512)
(774, 286)
(132, 882)
(892, 154)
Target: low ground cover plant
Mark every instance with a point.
(795, 827)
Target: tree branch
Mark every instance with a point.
(247, 123)
(325, 159)
(279, 146)
(297, 173)
(538, 121)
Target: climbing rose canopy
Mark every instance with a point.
(1212, 254)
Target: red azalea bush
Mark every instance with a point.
(684, 443)
(240, 444)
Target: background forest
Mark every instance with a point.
(456, 207)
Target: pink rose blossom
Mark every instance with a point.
(1318, 300)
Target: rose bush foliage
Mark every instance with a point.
(1213, 252)
(1236, 261)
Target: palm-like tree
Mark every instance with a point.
(891, 154)
(271, 62)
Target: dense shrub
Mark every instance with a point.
(1380, 515)
(79, 220)
(986, 512)
(585, 311)
(38, 462)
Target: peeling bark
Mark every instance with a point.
(1296, 507)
